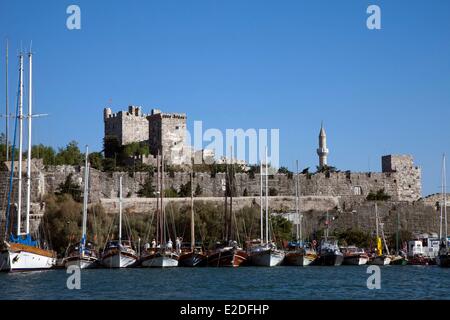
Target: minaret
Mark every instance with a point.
(322, 151)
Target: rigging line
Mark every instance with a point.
(8, 207)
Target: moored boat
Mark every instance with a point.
(83, 254)
(266, 256)
(20, 252)
(120, 253)
(193, 259)
(300, 257)
(381, 260)
(354, 256)
(443, 258)
(159, 259)
(298, 253)
(329, 254)
(229, 256)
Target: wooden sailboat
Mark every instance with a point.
(443, 258)
(83, 254)
(229, 253)
(163, 256)
(266, 254)
(298, 254)
(195, 257)
(119, 253)
(379, 259)
(21, 252)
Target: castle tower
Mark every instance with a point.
(322, 151)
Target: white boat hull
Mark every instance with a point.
(118, 261)
(11, 261)
(267, 258)
(160, 262)
(81, 263)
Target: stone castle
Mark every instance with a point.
(163, 132)
(327, 190)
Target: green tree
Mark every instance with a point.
(185, 190)
(147, 190)
(96, 160)
(171, 192)
(380, 195)
(284, 170)
(111, 146)
(47, 154)
(70, 155)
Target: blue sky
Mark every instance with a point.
(247, 64)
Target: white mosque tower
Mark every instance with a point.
(322, 151)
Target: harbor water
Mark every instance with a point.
(246, 283)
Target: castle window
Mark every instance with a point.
(357, 191)
(177, 128)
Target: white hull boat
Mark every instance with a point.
(81, 262)
(160, 261)
(119, 260)
(267, 258)
(12, 260)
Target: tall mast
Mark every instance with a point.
(85, 196)
(19, 196)
(30, 115)
(231, 176)
(441, 221)
(158, 193)
(192, 209)
(7, 106)
(296, 204)
(261, 202)
(267, 199)
(328, 226)
(163, 210)
(120, 210)
(376, 219)
(445, 203)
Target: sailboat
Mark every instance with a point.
(298, 254)
(266, 254)
(21, 252)
(229, 253)
(195, 257)
(398, 259)
(83, 253)
(328, 251)
(443, 258)
(163, 255)
(379, 259)
(119, 253)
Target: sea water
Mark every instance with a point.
(245, 283)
